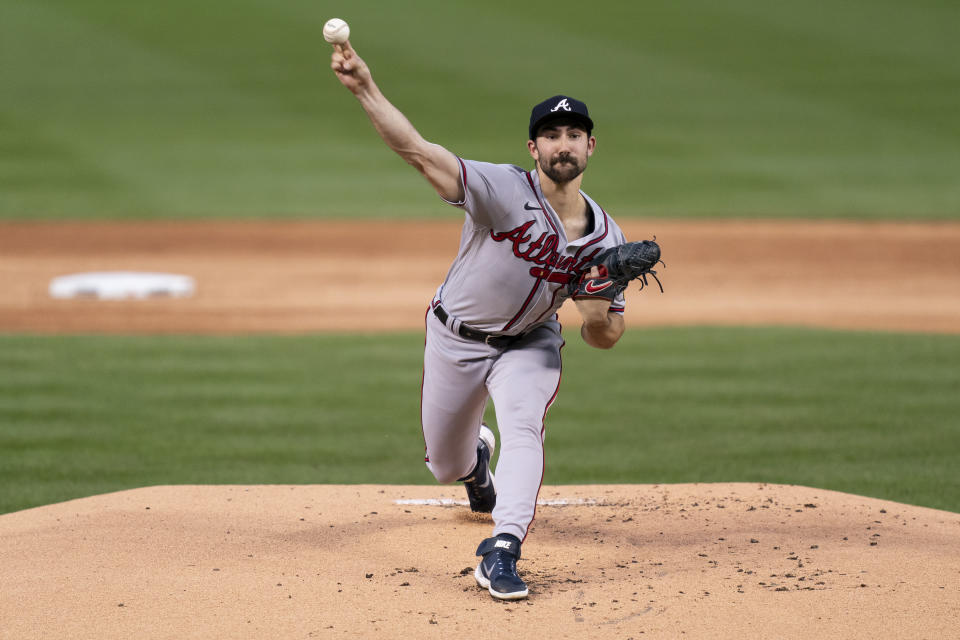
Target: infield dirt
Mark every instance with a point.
(694, 561)
(373, 276)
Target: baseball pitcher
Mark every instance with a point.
(530, 241)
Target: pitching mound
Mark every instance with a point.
(630, 561)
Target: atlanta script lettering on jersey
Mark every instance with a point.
(543, 251)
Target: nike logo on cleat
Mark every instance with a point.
(502, 544)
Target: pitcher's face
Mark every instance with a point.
(562, 150)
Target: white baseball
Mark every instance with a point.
(336, 31)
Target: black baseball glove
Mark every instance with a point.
(616, 267)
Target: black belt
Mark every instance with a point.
(492, 339)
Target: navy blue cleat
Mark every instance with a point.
(481, 491)
(497, 571)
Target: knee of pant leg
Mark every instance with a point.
(445, 474)
(521, 433)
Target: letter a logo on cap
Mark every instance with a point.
(561, 105)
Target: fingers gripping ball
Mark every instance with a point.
(336, 31)
(615, 269)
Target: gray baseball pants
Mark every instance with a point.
(459, 375)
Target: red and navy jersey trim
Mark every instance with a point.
(606, 230)
(526, 303)
(463, 174)
(463, 179)
(536, 283)
(543, 209)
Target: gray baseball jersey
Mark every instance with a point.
(514, 255)
(513, 262)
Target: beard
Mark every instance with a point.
(562, 167)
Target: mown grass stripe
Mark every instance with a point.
(869, 413)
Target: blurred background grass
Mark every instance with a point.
(223, 109)
(746, 108)
(867, 413)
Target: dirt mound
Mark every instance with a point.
(625, 561)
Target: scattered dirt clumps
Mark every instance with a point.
(606, 561)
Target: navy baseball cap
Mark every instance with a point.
(559, 107)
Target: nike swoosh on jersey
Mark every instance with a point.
(529, 207)
(590, 287)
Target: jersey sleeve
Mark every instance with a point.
(488, 189)
(618, 305)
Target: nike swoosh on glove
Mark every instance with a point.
(610, 271)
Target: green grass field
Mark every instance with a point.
(746, 108)
(872, 414)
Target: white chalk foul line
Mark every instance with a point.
(449, 502)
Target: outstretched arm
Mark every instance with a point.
(438, 165)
